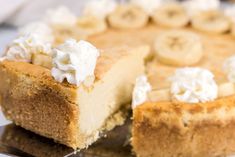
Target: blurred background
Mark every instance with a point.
(16, 13)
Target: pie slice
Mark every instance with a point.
(71, 115)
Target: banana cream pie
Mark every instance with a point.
(76, 99)
(183, 103)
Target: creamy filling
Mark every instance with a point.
(108, 94)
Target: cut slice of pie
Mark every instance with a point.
(71, 115)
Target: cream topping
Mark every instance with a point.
(148, 5)
(99, 9)
(23, 47)
(74, 61)
(60, 16)
(43, 31)
(195, 6)
(229, 68)
(141, 89)
(193, 85)
(230, 12)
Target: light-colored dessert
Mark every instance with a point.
(180, 110)
(78, 98)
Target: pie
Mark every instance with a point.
(184, 105)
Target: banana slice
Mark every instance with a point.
(159, 95)
(178, 48)
(91, 25)
(128, 16)
(171, 15)
(61, 34)
(42, 60)
(211, 21)
(226, 89)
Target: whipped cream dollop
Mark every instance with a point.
(22, 48)
(229, 68)
(148, 5)
(99, 8)
(195, 6)
(141, 89)
(74, 61)
(43, 31)
(230, 12)
(61, 16)
(193, 85)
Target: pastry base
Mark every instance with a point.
(167, 129)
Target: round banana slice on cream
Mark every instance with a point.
(128, 16)
(178, 48)
(212, 21)
(91, 25)
(171, 15)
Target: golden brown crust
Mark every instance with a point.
(179, 129)
(30, 98)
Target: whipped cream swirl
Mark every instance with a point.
(193, 85)
(148, 5)
(195, 6)
(141, 89)
(99, 8)
(43, 31)
(229, 68)
(74, 61)
(23, 47)
(61, 16)
(230, 12)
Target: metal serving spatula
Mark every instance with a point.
(18, 142)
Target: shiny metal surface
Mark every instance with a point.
(16, 141)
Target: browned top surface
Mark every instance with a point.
(175, 113)
(216, 49)
(107, 58)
